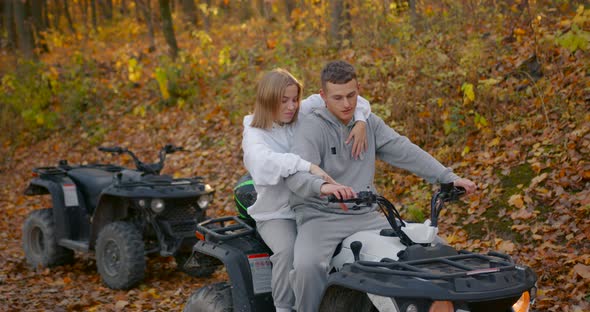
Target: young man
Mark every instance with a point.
(320, 139)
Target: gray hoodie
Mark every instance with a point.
(320, 139)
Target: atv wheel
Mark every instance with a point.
(39, 242)
(210, 298)
(207, 265)
(338, 299)
(120, 255)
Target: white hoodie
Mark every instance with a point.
(267, 158)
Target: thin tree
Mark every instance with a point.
(36, 7)
(23, 29)
(94, 15)
(68, 16)
(340, 26)
(146, 9)
(168, 27)
(189, 12)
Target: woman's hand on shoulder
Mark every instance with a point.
(358, 136)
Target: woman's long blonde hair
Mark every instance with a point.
(269, 95)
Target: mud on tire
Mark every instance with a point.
(120, 255)
(210, 298)
(39, 241)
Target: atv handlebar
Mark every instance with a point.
(448, 192)
(153, 168)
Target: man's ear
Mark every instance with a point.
(323, 95)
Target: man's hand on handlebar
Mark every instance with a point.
(339, 191)
(467, 184)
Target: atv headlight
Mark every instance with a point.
(411, 308)
(204, 200)
(523, 303)
(157, 205)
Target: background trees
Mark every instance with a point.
(497, 89)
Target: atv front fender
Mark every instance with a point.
(109, 208)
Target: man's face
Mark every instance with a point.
(341, 99)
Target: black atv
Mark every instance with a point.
(398, 269)
(119, 213)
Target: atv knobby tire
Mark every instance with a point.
(39, 242)
(207, 265)
(339, 299)
(210, 298)
(120, 255)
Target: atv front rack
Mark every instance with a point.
(464, 277)
(461, 265)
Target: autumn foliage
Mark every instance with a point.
(499, 90)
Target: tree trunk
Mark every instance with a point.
(189, 12)
(56, 16)
(206, 15)
(45, 10)
(69, 17)
(413, 14)
(290, 5)
(94, 15)
(39, 27)
(124, 9)
(146, 9)
(168, 27)
(7, 6)
(106, 7)
(23, 30)
(340, 27)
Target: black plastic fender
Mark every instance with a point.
(109, 208)
(234, 255)
(39, 186)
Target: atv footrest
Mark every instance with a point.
(74, 245)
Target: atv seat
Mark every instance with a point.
(91, 182)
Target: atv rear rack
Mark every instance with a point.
(463, 264)
(218, 229)
(62, 169)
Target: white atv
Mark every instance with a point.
(405, 268)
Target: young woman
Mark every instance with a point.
(266, 138)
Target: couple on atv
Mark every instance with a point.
(297, 153)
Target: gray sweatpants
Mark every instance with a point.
(319, 234)
(279, 235)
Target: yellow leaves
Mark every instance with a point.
(162, 79)
(134, 70)
(139, 111)
(224, 56)
(465, 151)
(504, 246)
(468, 93)
(494, 142)
(516, 201)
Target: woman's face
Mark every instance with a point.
(289, 105)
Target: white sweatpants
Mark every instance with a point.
(279, 235)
